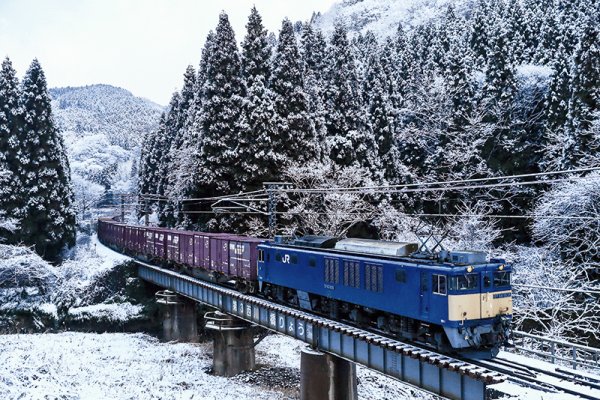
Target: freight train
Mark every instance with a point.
(456, 302)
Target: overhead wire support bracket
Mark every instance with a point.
(272, 189)
(228, 205)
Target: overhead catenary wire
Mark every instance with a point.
(461, 181)
(403, 188)
(383, 189)
(581, 291)
(491, 216)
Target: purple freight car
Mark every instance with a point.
(243, 256)
(223, 256)
(201, 250)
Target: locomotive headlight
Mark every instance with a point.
(501, 267)
(470, 268)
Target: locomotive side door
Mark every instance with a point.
(424, 294)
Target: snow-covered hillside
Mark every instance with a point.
(109, 110)
(382, 16)
(102, 127)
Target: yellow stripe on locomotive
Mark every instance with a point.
(466, 307)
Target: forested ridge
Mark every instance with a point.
(510, 87)
(500, 89)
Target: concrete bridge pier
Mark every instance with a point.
(179, 317)
(326, 377)
(233, 344)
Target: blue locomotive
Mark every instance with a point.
(457, 301)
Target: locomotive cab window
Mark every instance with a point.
(464, 282)
(501, 279)
(438, 284)
(261, 255)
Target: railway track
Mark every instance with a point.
(529, 374)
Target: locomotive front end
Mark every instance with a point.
(479, 307)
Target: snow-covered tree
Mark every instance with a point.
(568, 221)
(560, 148)
(331, 213)
(165, 149)
(180, 153)
(560, 308)
(585, 97)
(349, 135)
(188, 160)
(149, 162)
(383, 119)
(10, 120)
(297, 138)
(47, 216)
(223, 93)
(257, 148)
(256, 51)
(313, 51)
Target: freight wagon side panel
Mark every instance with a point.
(201, 251)
(129, 233)
(140, 240)
(159, 244)
(186, 248)
(238, 252)
(242, 258)
(149, 242)
(216, 255)
(172, 244)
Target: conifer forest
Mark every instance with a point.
(508, 88)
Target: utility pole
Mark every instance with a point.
(272, 189)
(146, 212)
(122, 207)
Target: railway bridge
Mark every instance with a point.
(422, 368)
(334, 348)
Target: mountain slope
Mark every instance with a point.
(382, 16)
(106, 109)
(102, 127)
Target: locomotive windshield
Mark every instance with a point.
(501, 279)
(464, 282)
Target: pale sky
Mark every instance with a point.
(143, 46)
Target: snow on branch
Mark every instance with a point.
(333, 213)
(575, 240)
(21, 266)
(567, 315)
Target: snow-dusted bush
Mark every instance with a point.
(332, 213)
(8, 226)
(393, 224)
(472, 229)
(91, 285)
(568, 221)
(21, 266)
(558, 308)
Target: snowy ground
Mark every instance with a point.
(137, 366)
(75, 290)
